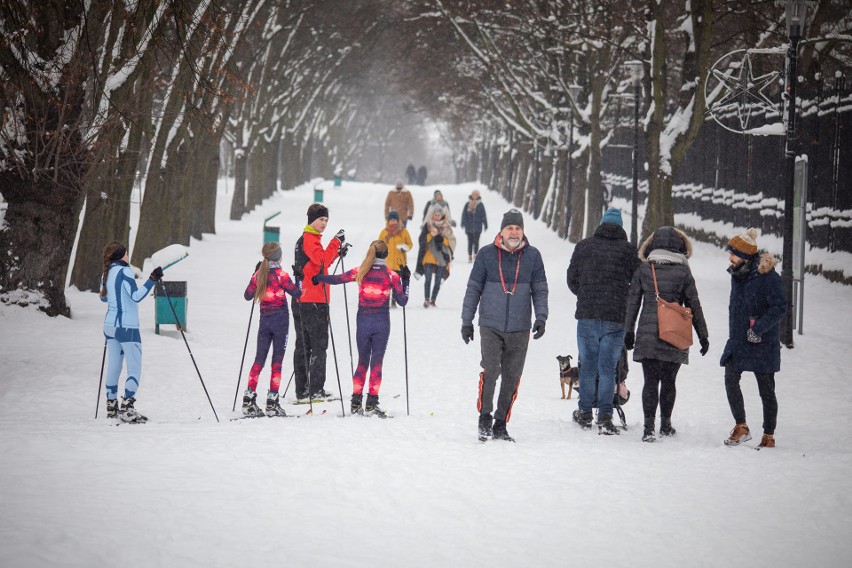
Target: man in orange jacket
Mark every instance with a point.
(310, 312)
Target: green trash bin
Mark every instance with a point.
(271, 234)
(163, 314)
(317, 194)
(337, 181)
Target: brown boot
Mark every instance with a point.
(739, 434)
(768, 441)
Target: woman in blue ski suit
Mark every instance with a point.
(121, 328)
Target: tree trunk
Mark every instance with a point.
(238, 201)
(596, 202)
(578, 199)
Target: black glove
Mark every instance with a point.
(298, 273)
(405, 273)
(257, 266)
(314, 280)
(341, 252)
(752, 336)
(340, 236)
(629, 339)
(538, 329)
(467, 333)
(157, 274)
(705, 345)
(439, 240)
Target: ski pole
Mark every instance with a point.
(333, 348)
(180, 328)
(346, 304)
(243, 358)
(101, 381)
(293, 374)
(304, 344)
(405, 348)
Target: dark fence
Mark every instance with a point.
(738, 179)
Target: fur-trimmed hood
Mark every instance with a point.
(667, 238)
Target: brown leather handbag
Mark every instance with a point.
(675, 321)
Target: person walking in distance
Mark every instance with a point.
(399, 200)
(436, 254)
(269, 286)
(376, 284)
(473, 222)
(396, 236)
(665, 255)
(121, 329)
(310, 312)
(507, 284)
(599, 274)
(755, 310)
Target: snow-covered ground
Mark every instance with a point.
(417, 490)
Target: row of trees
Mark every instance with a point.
(100, 97)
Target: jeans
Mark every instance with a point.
(600, 343)
(438, 272)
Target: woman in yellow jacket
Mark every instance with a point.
(399, 243)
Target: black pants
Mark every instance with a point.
(766, 388)
(472, 243)
(659, 387)
(310, 321)
(503, 355)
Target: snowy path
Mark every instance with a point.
(419, 490)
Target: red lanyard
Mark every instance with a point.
(500, 270)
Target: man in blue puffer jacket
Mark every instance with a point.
(754, 337)
(507, 282)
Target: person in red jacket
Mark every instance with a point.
(310, 312)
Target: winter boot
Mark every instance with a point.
(648, 434)
(250, 407)
(605, 425)
(583, 419)
(486, 427)
(768, 441)
(273, 408)
(112, 408)
(666, 427)
(739, 434)
(372, 407)
(129, 414)
(355, 407)
(322, 395)
(500, 432)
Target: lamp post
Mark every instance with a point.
(635, 68)
(574, 92)
(795, 14)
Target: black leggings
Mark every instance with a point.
(766, 388)
(659, 386)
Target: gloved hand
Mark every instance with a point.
(157, 273)
(257, 266)
(298, 273)
(314, 280)
(410, 217)
(752, 336)
(467, 333)
(538, 329)
(405, 273)
(403, 247)
(629, 339)
(705, 346)
(452, 223)
(439, 240)
(340, 236)
(341, 252)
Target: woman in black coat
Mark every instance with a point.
(667, 250)
(473, 222)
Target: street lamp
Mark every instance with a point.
(795, 11)
(574, 92)
(636, 69)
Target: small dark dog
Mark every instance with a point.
(568, 375)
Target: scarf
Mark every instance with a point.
(663, 256)
(471, 205)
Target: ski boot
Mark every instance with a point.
(112, 408)
(273, 408)
(250, 407)
(129, 414)
(355, 406)
(372, 407)
(500, 432)
(583, 419)
(739, 434)
(666, 427)
(605, 425)
(486, 427)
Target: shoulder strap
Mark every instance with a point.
(654, 274)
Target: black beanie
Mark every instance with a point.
(512, 217)
(316, 211)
